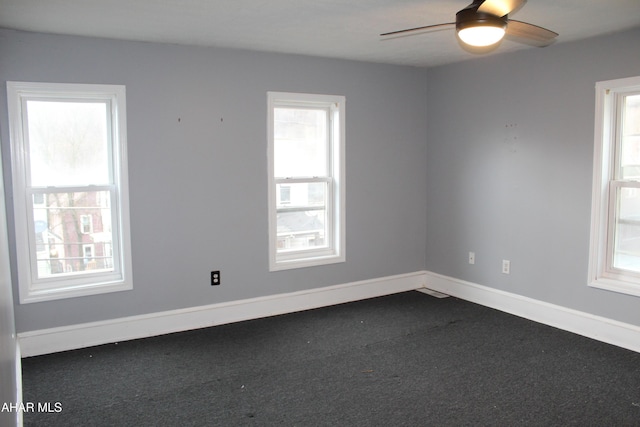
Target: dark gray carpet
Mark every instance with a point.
(403, 360)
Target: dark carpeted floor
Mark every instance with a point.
(403, 360)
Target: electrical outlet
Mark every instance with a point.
(472, 257)
(215, 278)
(506, 266)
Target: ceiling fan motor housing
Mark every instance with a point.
(470, 17)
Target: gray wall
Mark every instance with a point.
(505, 171)
(198, 185)
(509, 169)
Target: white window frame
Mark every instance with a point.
(335, 251)
(602, 273)
(34, 289)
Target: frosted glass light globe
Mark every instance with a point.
(481, 35)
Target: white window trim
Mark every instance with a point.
(601, 274)
(336, 202)
(89, 284)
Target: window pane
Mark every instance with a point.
(63, 245)
(301, 230)
(626, 254)
(306, 194)
(631, 138)
(68, 143)
(300, 142)
(632, 115)
(302, 222)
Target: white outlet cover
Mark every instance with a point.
(506, 266)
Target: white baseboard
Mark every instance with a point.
(599, 328)
(52, 340)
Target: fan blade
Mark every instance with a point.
(418, 29)
(500, 7)
(534, 34)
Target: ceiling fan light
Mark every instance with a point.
(482, 35)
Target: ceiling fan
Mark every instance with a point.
(485, 23)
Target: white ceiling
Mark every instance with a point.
(330, 28)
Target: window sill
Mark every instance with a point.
(290, 264)
(618, 286)
(40, 295)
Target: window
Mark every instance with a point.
(88, 260)
(306, 180)
(68, 152)
(86, 224)
(615, 235)
(285, 194)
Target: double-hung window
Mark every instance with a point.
(306, 179)
(69, 169)
(615, 224)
